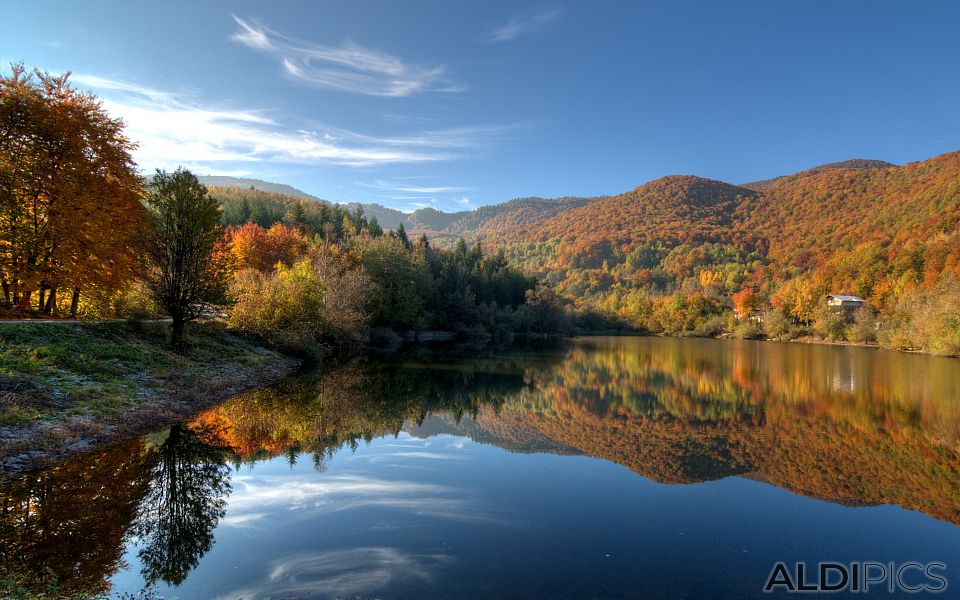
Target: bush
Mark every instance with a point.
(296, 308)
(829, 324)
(284, 308)
(384, 338)
(711, 326)
(748, 329)
(864, 326)
(346, 301)
(544, 312)
(776, 325)
(930, 320)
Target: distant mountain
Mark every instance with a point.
(860, 164)
(388, 218)
(257, 184)
(439, 225)
(430, 219)
(473, 224)
(518, 212)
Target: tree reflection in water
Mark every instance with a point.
(186, 498)
(68, 525)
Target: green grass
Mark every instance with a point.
(101, 368)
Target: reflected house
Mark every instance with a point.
(845, 304)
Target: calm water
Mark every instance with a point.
(598, 468)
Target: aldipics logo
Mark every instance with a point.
(860, 577)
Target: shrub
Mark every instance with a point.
(711, 326)
(829, 324)
(748, 329)
(776, 325)
(285, 308)
(296, 308)
(930, 320)
(864, 326)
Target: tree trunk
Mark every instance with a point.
(74, 303)
(51, 306)
(6, 292)
(40, 299)
(176, 330)
(25, 300)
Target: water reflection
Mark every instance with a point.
(847, 425)
(186, 498)
(69, 524)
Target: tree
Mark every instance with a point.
(188, 269)
(254, 247)
(69, 192)
(403, 280)
(402, 235)
(298, 216)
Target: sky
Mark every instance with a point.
(456, 104)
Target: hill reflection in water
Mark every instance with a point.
(847, 425)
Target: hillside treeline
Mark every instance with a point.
(685, 255)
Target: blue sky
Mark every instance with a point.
(454, 104)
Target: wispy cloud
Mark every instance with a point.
(174, 129)
(345, 572)
(349, 67)
(521, 24)
(395, 186)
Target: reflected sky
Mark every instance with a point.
(603, 468)
(495, 524)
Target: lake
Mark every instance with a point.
(589, 468)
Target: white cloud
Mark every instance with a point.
(394, 186)
(521, 24)
(172, 129)
(348, 68)
(465, 202)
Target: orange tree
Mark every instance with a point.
(69, 192)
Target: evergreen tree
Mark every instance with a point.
(402, 235)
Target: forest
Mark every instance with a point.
(690, 256)
(83, 233)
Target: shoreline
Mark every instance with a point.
(75, 411)
(155, 403)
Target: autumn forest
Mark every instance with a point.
(83, 234)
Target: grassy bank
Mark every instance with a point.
(65, 387)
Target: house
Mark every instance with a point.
(845, 304)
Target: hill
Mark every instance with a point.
(678, 254)
(518, 212)
(276, 199)
(224, 181)
(862, 164)
(674, 209)
(671, 255)
(389, 218)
